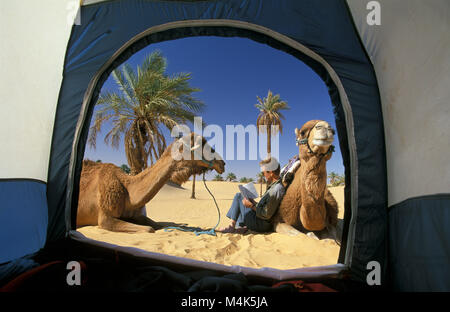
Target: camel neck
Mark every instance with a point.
(314, 172)
(313, 165)
(313, 183)
(145, 185)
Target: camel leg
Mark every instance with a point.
(331, 207)
(284, 228)
(330, 232)
(116, 225)
(143, 220)
(139, 217)
(338, 231)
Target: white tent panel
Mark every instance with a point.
(87, 2)
(29, 86)
(410, 51)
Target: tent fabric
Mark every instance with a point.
(420, 244)
(34, 39)
(410, 51)
(23, 218)
(333, 37)
(51, 277)
(10, 270)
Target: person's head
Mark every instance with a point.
(270, 167)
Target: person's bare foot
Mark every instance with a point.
(241, 230)
(232, 229)
(228, 229)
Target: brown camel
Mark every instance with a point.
(308, 205)
(114, 200)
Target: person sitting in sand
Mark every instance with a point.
(246, 214)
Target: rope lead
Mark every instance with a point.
(197, 233)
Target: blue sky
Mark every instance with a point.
(231, 72)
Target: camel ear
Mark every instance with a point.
(297, 132)
(217, 156)
(197, 143)
(185, 141)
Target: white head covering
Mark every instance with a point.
(270, 166)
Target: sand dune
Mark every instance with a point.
(173, 206)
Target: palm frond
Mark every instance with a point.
(154, 62)
(147, 100)
(123, 83)
(100, 118)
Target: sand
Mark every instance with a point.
(173, 206)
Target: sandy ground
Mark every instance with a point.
(173, 206)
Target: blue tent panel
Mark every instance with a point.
(23, 218)
(419, 244)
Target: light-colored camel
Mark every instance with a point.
(308, 205)
(114, 200)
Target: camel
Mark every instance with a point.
(308, 206)
(115, 201)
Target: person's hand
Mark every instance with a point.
(247, 203)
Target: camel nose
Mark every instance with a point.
(219, 166)
(325, 133)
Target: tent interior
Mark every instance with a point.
(378, 77)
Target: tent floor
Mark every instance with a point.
(104, 269)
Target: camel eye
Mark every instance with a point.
(302, 133)
(332, 131)
(319, 127)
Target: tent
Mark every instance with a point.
(386, 65)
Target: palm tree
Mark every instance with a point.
(340, 180)
(333, 176)
(218, 177)
(147, 99)
(336, 179)
(269, 115)
(260, 179)
(193, 187)
(231, 177)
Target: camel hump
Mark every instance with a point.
(88, 162)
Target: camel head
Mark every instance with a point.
(315, 137)
(194, 156)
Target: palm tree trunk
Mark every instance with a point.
(193, 187)
(269, 147)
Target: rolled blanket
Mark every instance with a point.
(288, 171)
